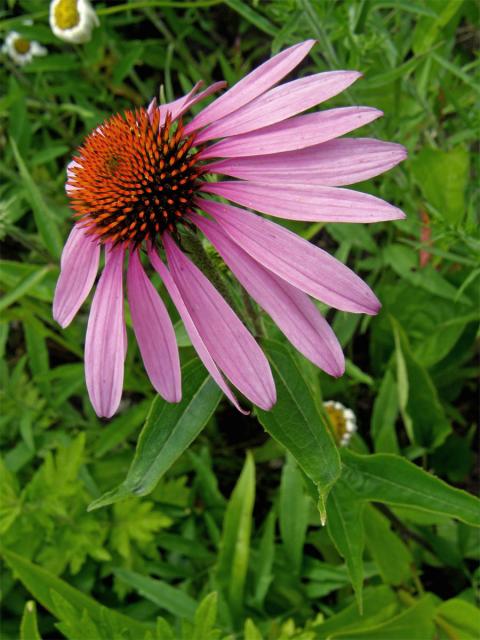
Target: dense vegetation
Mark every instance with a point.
(107, 532)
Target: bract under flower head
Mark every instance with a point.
(20, 49)
(143, 180)
(73, 20)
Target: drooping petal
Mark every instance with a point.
(297, 261)
(79, 266)
(154, 332)
(306, 202)
(252, 85)
(228, 341)
(280, 103)
(293, 311)
(195, 338)
(105, 340)
(335, 163)
(295, 133)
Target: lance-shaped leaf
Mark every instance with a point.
(235, 543)
(393, 480)
(346, 530)
(296, 423)
(168, 431)
(51, 591)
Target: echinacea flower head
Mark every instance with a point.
(20, 49)
(342, 420)
(73, 20)
(145, 179)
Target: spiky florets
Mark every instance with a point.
(133, 179)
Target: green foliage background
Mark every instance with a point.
(195, 522)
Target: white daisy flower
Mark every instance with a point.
(343, 421)
(73, 20)
(20, 49)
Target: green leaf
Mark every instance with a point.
(205, 617)
(384, 416)
(73, 625)
(294, 508)
(345, 528)
(29, 627)
(263, 567)
(388, 478)
(127, 61)
(429, 30)
(37, 352)
(252, 16)
(393, 480)
(461, 616)
(135, 522)
(164, 630)
(416, 623)
(379, 604)
(296, 423)
(119, 429)
(12, 273)
(41, 584)
(442, 177)
(422, 411)
(24, 286)
(168, 432)
(234, 549)
(250, 631)
(44, 219)
(389, 552)
(10, 501)
(161, 593)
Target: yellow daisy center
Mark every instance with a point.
(21, 45)
(337, 420)
(66, 14)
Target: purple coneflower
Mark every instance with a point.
(141, 179)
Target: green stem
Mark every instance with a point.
(151, 4)
(252, 314)
(194, 246)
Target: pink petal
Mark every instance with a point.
(105, 340)
(334, 163)
(213, 88)
(280, 103)
(252, 85)
(154, 332)
(293, 311)
(191, 329)
(179, 106)
(297, 261)
(306, 202)
(79, 266)
(296, 133)
(172, 107)
(232, 347)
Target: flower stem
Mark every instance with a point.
(194, 246)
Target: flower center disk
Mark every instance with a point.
(133, 179)
(66, 14)
(21, 45)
